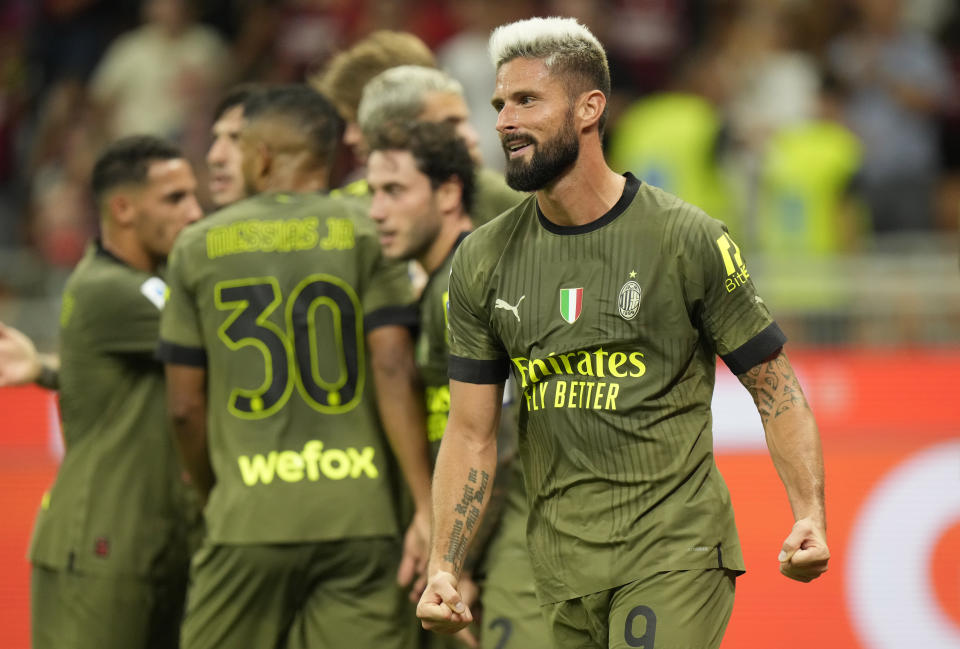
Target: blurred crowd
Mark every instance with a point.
(813, 127)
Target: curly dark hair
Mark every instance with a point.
(440, 154)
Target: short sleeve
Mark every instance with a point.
(476, 354)
(388, 299)
(181, 337)
(733, 316)
(121, 325)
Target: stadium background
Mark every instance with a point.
(874, 318)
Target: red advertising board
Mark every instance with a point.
(890, 422)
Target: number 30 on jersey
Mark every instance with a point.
(322, 316)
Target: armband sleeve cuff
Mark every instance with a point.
(174, 354)
(469, 370)
(755, 350)
(404, 316)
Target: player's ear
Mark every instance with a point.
(121, 208)
(263, 160)
(589, 108)
(449, 194)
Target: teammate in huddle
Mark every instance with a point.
(421, 176)
(112, 541)
(283, 322)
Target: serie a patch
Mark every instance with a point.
(101, 547)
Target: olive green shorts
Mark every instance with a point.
(512, 617)
(325, 595)
(70, 610)
(686, 609)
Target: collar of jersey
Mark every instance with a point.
(103, 252)
(630, 189)
(456, 244)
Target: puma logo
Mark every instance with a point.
(500, 304)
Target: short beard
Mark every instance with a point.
(548, 162)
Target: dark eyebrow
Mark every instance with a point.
(517, 94)
(385, 187)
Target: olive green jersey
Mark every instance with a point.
(432, 354)
(274, 296)
(433, 358)
(119, 505)
(611, 330)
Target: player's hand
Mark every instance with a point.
(469, 595)
(19, 361)
(416, 546)
(441, 608)
(805, 554)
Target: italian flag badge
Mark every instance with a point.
(571, 303)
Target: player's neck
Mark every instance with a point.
(437, 252)
(298, 174)
(124, 246)
(584, 193)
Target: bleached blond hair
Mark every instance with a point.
(566, 47)
(399, 94)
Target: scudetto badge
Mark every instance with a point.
(629, 300)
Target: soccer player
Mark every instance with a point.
(224, 159)
(111, 546)
(609, 300)
(343, 78)
(421, 176)
(283, 321)
(20, 363)
(418, 93)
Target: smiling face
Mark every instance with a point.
(225, 159)
(404, 204)
(535, 119)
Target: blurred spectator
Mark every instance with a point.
(897, 81)
(309, 31)
(466, 59)
(928, 15)
(645, 38)
(13, 99)
(161, 75)
(807, 206)
(948, 199)
(765, 83)
(431, 20)
(68, 37)
(774, 82)
(61, 217)
(809, 216)
(673, 140)
(252, 28)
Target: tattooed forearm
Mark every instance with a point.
(468, 512)
(774, 388)
(490, 521)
